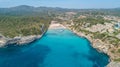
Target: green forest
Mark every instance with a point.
(11, 26)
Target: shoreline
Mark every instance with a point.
(19, 40)
(22, 40)
(58, 25)
(111, 62)
(28, 39)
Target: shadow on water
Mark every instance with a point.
(34, 54)
(23, 56)
(95, 58)
(99, 59)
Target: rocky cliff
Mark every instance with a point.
(99, 45)
(18, 40)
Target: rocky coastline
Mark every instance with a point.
(99, 45)
(96, 43)
(18, 40)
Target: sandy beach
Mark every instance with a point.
(56, 26)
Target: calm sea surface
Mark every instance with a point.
(57, 48)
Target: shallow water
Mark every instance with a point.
(57, 48)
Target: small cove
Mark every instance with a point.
(57, 48)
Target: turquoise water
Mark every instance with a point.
(57, 48)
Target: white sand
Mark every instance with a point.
(56, 26)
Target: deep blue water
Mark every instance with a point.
(57, 48)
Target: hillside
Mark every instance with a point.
(23, 21)
(28, 20)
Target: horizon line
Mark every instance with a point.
(59, 7)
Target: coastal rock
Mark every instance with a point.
(28, 39)
(99, 45)
(113, 64)
(2, 43)
(2, 40)
(18, 40)
(12, 40)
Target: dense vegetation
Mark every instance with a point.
(24, 20)
(12, 26)
(27, 20)
(89, 21)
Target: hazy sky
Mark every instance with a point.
(63, 3)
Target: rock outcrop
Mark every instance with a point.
(113, 64)
(18, 40)
(100, 46)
